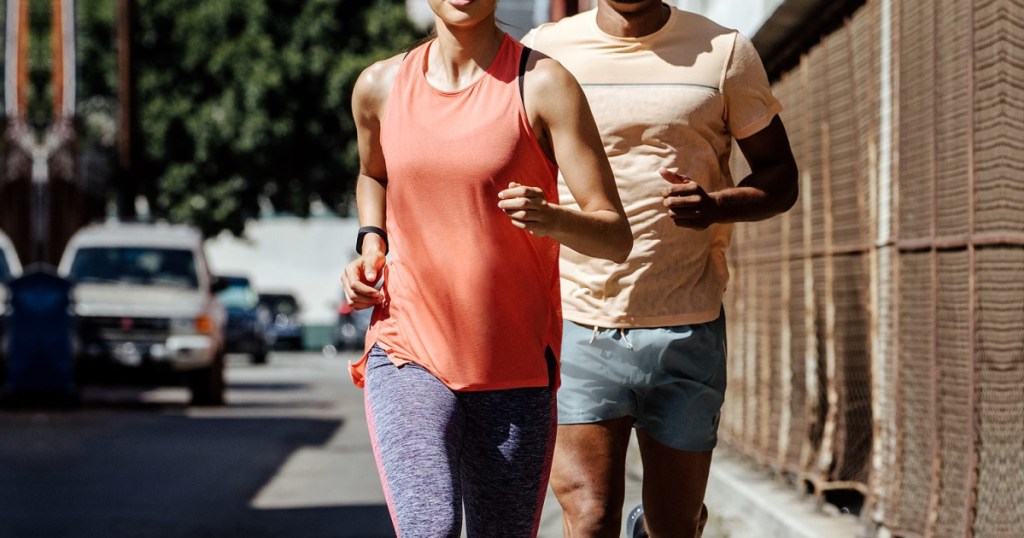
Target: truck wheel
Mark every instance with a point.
(259, 357)
(207, 384)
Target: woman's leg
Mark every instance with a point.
(415, 426)
(508, 442)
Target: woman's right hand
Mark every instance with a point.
(360, 277)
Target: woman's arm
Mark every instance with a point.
(562, 121)
(368, 100)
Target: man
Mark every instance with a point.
(644, 340)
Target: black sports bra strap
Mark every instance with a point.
(522, 70)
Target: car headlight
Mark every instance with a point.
(203, 324)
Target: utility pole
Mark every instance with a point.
(127, 180)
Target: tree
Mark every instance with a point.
(243, 100)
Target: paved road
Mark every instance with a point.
(289, 456)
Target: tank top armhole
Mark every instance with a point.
(523, 58)
(394, 83)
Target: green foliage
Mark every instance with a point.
(240, 100)
(40, 90)
(96, 50)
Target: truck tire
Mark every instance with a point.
(207, 384)
(259, 357)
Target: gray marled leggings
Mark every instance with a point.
(437, 448)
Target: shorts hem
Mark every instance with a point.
(588, 419)
(682, 444)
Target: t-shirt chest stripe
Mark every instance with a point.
(650, 85)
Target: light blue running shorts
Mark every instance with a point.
(671, 380)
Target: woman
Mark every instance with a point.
(458, 142)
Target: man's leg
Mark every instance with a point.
(673, 489)
(677, 425)
(588, 476)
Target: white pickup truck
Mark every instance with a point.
(10, 269)
(145, 301)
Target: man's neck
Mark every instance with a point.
(631, 19)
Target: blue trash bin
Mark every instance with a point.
(40, 333)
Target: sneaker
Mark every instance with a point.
(635, 523)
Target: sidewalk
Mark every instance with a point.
(742, 501)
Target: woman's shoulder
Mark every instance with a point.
(380, 75)
(544, 73)
(374, 84)
(547, 82)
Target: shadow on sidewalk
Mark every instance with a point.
(151, 471)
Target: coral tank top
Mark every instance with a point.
(467, 295)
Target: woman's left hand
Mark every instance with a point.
(528, 208)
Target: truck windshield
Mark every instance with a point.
(135, 265)
(238, 294)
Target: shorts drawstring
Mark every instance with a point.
(622, 333)
(625, 339)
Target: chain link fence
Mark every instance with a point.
(877, 329)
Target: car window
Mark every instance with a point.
(135, 265)
(5, 268)
(238, 294)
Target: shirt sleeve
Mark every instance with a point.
(530, 37)
(749, 103)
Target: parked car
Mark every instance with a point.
(350, 330)
(246, 328)
(10, 268)
(145, 301)
(285, 328)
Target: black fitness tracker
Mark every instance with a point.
(370, 230)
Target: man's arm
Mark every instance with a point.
(770, 189)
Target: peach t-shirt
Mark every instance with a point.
(673, 99)
(467, 295)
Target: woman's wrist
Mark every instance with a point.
(370, 239)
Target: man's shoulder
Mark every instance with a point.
(695, 22)
(564, 31)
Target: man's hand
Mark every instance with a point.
(359, 279)
(689, 205)
(527, 208)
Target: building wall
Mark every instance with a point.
(516, 16)
(520, 16)
(876, 330)
(744, 15)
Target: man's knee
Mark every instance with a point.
(588, 512)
